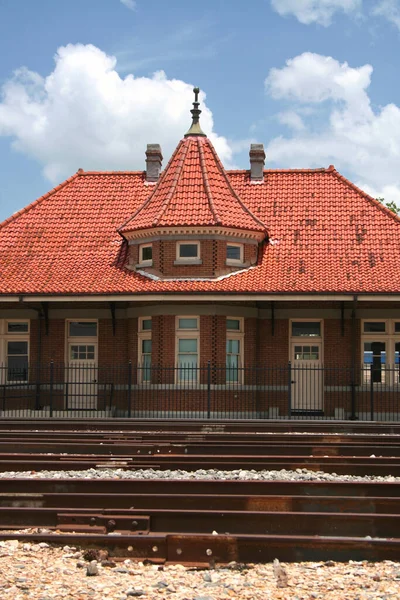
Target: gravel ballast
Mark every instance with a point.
(41, 572)
(200, 474)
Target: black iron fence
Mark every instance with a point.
(291, 391)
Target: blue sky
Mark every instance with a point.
(87, 83)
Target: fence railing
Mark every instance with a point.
(292, 391)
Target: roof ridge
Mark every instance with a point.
(318, 170)
(368, 197)
(207, 184)
(171, 192)
(146, 202)
(235, 195)
(81, 172)
(39, 200)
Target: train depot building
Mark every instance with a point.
(195, 291)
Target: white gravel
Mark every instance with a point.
(40, 572)
(200, 474)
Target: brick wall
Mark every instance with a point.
(338, 347)
(260, 346)
(112, 349)
(52, 345)
(132, 332)
(273, 350)
(212, 256)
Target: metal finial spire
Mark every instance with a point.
(195, 128)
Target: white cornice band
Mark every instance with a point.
(176, 297)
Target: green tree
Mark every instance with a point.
(390, 205)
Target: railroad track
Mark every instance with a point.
(251, 520)
(203, 522)
(162, 426)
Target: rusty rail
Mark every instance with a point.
(251, 520)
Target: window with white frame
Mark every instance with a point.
(146, 254)
(310, 329)
(187, 251)
(82, 341)
(234, 254)
(380, 350)
(187, 348)
(234, 349)
(15, 349)
(82, 329)
(144, 338)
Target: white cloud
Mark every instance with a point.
(291, 119)
(312, 78)
(131, 4)
(388, 192)
(389, 9)
(343, 128)
(315, 11)
(83, 114)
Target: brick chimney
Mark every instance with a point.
(153, 162)
(257, 161)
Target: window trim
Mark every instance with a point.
(310, 337)
(143, 334)
(236, 334)
(294, 339)
(13, 334)
(235, 331)
(140, 325)
(86, 344)
(187, 259)
(390, 337)
(375, 333)
(6, 337)
(188, 334)
(73, 339)
(177, 328)
(83, 337)
(6, 356)
(235, 261)
(147, 262)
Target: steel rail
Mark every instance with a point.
(364, 489)
(271, 503)
(208, 550)
(193, 449)
(198, 425)
(155, 520)
(376, 466)
(251, 520)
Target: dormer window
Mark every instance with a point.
(188, 252)
(234, 254)
(146, 255)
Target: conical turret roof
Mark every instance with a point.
(194, 190)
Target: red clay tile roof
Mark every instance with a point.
(193, 190)
(326, 236)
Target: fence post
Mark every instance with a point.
(209, 390)
(353, 416)
(290, 390)
(51, 386)
(371, 391)
(37, 387)
(3, 381)
(129, 389)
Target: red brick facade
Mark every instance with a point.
(266, 342)
(266, 349)
(213, 262)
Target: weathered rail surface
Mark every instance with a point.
(251, 520)
(199, 425)
(205, 521)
